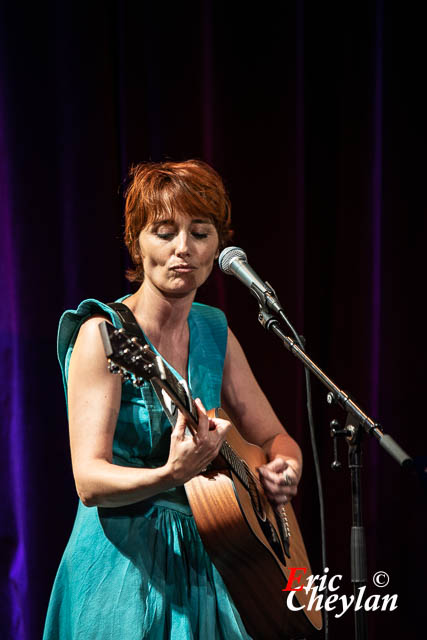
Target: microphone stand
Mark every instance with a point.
(357, 424)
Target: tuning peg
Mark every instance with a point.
(126, 375)
(113, 368)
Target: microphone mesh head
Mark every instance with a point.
(227, 256)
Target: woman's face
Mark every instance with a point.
(178, 254)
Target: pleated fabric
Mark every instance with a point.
(141, 571)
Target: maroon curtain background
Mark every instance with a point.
(314, 114)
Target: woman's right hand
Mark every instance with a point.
(191, 454)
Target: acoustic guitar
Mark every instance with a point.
(253, 546)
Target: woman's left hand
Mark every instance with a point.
(280, 480)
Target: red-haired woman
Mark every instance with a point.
(135, 566)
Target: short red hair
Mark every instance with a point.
(164, 189)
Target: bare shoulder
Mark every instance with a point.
(88, 352)
(90, 327)
(233, 346)
(89, 333)
(93, 393)
(235, 359)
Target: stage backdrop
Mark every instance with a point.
(314, 114)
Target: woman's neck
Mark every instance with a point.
(158, 314)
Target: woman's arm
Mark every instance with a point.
(94, 397)
(250, 411)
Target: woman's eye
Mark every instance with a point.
(164, 235)
(168, 235)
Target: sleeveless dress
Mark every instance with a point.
(141, 571)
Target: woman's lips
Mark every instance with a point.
(182, 268)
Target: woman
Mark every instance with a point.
(135, 566)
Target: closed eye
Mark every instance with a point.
(165, 236)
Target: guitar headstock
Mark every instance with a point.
(137, 362)
(127, 356)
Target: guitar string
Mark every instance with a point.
(238, 463)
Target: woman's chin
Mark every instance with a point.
(179, 290)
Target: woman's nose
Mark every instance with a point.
(182, 246)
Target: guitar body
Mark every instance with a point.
(240, 546)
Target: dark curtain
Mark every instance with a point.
(314, 114)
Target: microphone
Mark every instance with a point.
(234, 261)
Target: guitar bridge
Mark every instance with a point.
(285, 532)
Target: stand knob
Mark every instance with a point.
(336, 433)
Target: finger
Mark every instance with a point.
(278, 465)
(278, 483)
(277, 488)
(180, 425)
(280, 479)
(285, 477)
(203, 426)
(220, 426)
(281, 466)
(200, 406)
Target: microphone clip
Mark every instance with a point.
(267, 299)
(266, 319)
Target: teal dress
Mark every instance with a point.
(141, 571)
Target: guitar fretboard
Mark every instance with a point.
(236, 463)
